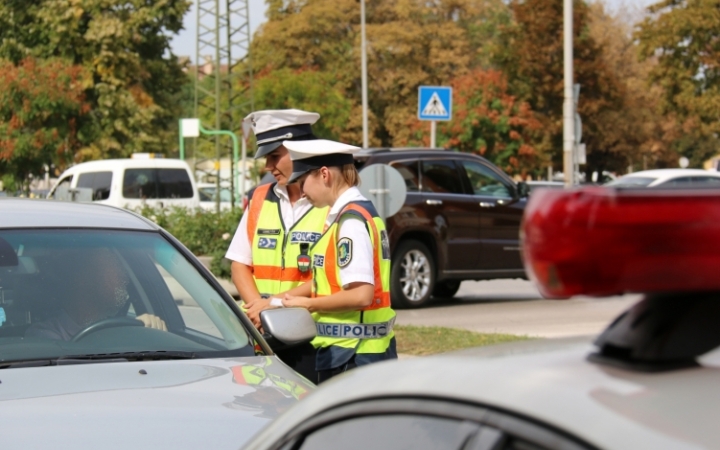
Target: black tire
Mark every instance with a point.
(413, 289)
(446, 289)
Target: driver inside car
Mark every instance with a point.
(92, 286)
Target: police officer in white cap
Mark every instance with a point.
(270, 249)
(349, 296)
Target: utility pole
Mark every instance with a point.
(568, 103)
(223, 41)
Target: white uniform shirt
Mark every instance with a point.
(240, 249)
(361, 265)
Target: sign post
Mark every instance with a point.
(193, 128)
(434, 103)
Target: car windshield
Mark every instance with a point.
(632, 182)
(74, 293)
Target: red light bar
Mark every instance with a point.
(602, 241)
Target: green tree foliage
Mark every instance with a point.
(488, 121)
(41, 103)
(310, 90)
(124, 46)
(684, 38)
(530, 52)
(410, 43)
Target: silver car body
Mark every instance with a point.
(669, 178)
(552, 383)
(193, 403)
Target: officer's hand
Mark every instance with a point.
(247, 304)
(254, 310)
(151, 321)
(291, 301)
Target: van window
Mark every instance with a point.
(157, 183)
(99, 182)
(62, 186)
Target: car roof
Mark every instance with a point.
(550, 381)
(31, 213)
(110, 164)
(424, 151)
(670, 173)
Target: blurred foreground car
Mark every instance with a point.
(112, 335)
(669, 179)
(650, 380)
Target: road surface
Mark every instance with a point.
(515, 307)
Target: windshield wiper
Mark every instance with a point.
(125, 357)
(27, 363)
(99, 357)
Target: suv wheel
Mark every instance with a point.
(413, 275)
(446, 289)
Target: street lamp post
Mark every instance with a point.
(568, 104)
(363, 75)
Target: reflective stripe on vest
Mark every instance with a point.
(275, 250)
(326, 281)
(360, 331)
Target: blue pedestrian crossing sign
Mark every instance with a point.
(434, 103)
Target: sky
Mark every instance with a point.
(184, 43)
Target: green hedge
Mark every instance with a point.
(205, 233)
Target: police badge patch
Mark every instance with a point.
(268, 243)
(303, 263)
(344, 252)
(303, 259)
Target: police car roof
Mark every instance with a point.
(31, 213)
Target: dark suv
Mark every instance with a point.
(460, 221)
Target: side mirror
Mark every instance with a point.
(288, 326)
(523, 190)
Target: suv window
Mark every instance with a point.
(410, 173)
(99, 182)
(157, 183)
(441, 177)
(484, 181)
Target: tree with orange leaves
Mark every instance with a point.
(487, 121)
(40, 104)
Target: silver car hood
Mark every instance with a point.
(204, 403)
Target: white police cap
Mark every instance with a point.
(273, 126)
(313, 154)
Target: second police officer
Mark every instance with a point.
(349, 294)
(270, 249)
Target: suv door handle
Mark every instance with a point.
(433, 202)
(487, 205)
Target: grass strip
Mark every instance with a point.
(419, 341)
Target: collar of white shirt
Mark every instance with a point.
(281, 191)
(351, 195)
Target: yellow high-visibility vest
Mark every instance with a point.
(368, 330)
(281, 258)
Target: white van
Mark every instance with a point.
(129, 183)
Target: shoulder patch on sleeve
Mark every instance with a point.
(344, 252)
